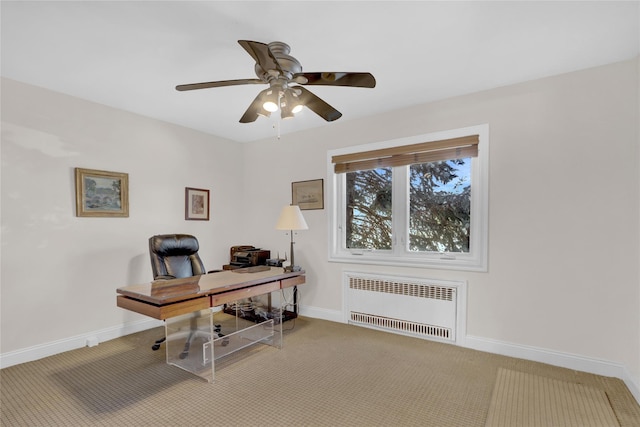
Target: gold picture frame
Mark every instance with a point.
(101, 193)
(308, 195)
(196, 204)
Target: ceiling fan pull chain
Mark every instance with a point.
(277, 126)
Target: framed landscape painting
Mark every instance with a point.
(101, 193)
(196, 204)
(308, 194)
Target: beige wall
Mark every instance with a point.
(564, 198)
(563, 211)
(59, 272)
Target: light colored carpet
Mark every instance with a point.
(327, 374)
(526, 400)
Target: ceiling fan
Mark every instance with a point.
(283, 73)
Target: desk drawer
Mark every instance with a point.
(292, 281)
(235, 295)
(165, 311)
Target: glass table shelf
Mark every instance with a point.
(194, 341)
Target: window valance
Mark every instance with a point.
(424, 152)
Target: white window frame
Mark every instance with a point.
(474, 260)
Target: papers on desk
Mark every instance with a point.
(254, 269)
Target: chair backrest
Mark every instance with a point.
(175, 255)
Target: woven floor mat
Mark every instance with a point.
(524, 400)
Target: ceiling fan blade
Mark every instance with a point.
(255, 109)
(317, 105)
(261, 53)
(220, 83)
(336, 79)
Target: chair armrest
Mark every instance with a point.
(164, 277)
(214, 271)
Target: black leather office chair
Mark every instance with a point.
(174, 256)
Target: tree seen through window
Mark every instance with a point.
(439, 207)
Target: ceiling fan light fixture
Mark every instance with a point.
(264, 113)
(271, 101)
(270, 106)
(276, 68)
(286, 113)
(290, 104)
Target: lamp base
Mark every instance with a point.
(291, 268)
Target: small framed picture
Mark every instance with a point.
(308, 194)
(196, 204)
(101, 193)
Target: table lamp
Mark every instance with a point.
(291, 219)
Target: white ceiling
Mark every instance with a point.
(131, 55)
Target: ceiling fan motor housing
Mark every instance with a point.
(288, 64)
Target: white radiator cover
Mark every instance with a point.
(419, 307)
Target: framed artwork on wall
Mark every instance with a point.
(196, 204)
(308, 194)
(101, 193)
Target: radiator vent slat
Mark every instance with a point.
(419, 290)
(402, 325)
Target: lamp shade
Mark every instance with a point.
(291, 219)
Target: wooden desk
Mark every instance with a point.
(170, 300)
(163, 299)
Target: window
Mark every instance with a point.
(419, 201)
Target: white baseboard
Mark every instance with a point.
(89, 339)
(322, 313)
(564, 360)
(570, 361)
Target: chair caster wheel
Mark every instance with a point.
(155, 347)
(225, 343)
(184, 354)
